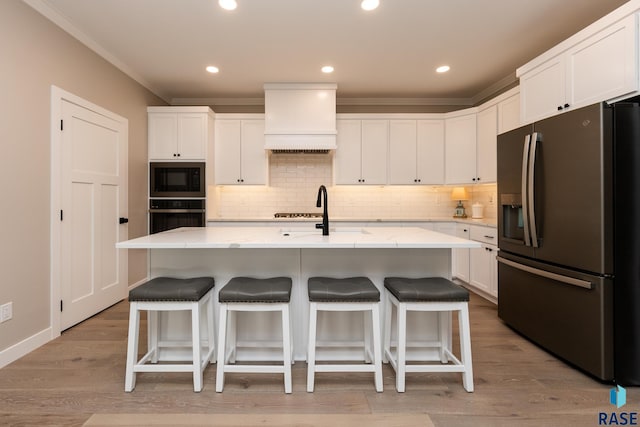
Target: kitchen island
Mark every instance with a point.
(299, 253)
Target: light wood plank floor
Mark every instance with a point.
(81, 373)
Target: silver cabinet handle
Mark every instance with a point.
(549, 275)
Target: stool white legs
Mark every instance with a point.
(227, 346)
(371, 334)
(199, 362)
(398, 360)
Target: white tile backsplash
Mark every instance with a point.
(293, 185)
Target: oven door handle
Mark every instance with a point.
(176, 210)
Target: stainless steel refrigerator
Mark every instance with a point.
(569, 237)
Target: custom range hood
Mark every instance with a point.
(300, 117)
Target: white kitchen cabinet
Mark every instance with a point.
(542, 90)
(361, 156)
(179, 133)
(460, 266)
(509, 113)
(240, 156)
(592, 68)
(460, 149)
(416, 152)
(483, 265)
(486, 146)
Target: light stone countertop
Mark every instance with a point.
(486, 222)
(275, 237)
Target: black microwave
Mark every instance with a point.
(176, 179)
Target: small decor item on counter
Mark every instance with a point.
(459, 194)
(477, 210)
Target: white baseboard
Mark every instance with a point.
(31, 343)
(138, 283)
(24, 347)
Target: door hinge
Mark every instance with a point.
(60, 305)
(61, 124)
(61, 215)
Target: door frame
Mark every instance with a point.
(59, 95)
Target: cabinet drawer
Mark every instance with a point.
(484, 234)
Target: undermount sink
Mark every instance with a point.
(310, 232)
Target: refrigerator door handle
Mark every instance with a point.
(525, 205)
(535, 138)
(549, 275)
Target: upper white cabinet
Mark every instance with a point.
(509, 113)
(599, 63)
(460, 149)
(240, 157)
(179, 133)
(361, 156)
(416, 151)
(486, 148)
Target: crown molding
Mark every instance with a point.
(495, 88)
(46, 9)
(467, 102)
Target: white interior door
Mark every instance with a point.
(93, 197)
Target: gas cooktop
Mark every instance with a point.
(297, 215)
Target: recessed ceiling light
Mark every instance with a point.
(369, 4)
(228, 4)
(327, 69)
(443, 69)
(212, 69)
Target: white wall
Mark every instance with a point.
(36, 54)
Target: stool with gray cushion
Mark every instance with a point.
(434, 294)
(248, 294)
(170, 294)
(349, 294)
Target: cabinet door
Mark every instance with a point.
(192, 136)
(509, 114)
(402, 152)
(430, 151)
(460, 149)
(253, 166)
(604, 66)
(542, 90)
(348, 152)
(163, 136)
(461, 256)
(375, 148)
(486, 146)
(480, 268)
(227, 151)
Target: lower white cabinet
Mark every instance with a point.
(460, 266)
(483, 265)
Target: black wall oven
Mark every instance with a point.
(167, 214)
(177, 179)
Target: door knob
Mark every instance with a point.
(124, 220)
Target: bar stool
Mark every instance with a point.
(251, 295)
(350, 294)
(169, 294)
(428, 294)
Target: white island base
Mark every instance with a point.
(375, 253)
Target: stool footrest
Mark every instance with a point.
(255, 369)
(345, 368)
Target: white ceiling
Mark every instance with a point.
(388, 53)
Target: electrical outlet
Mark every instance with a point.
(6, 312)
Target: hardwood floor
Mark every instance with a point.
(68, 380)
